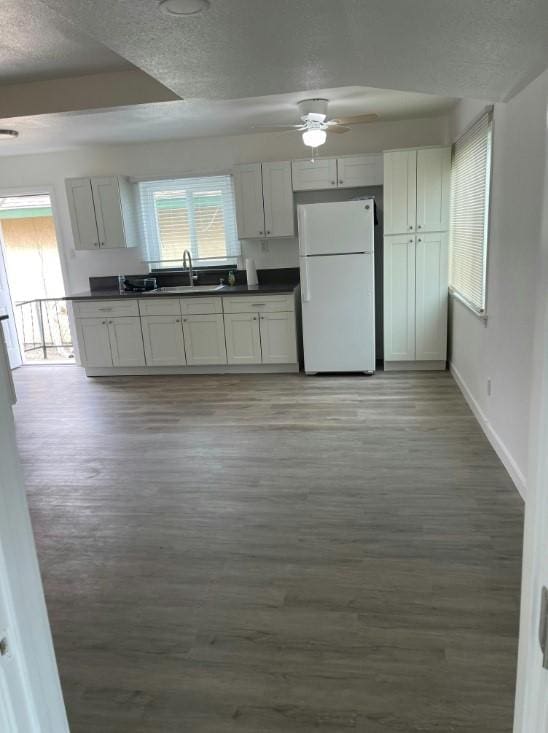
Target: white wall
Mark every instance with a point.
(187, 157)
(501, 349)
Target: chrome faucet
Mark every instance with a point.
(187, 262)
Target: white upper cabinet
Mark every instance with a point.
(360, 170)
(431, 296)
(264, 200)
(279, 211)
(352, 171)
(433, 171)
(82, 213)
(248, 191)
(400, 191)
(313, 175)
(102, 212)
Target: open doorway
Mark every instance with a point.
(33, 280)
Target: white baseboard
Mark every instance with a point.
(492, 436)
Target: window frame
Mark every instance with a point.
(479, 311)
(150, 225)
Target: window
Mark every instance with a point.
(470, 182)
(189, 213)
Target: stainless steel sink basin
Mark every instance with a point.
(186, 289)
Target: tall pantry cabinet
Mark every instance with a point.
(416, 222)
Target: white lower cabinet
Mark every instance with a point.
(399, 298)
(204, 339)
(111, 342)
(243, 339)
(126, 342)
(415, 298)
(163, 340)
(278, 340)
(431, 297)
(254, 330)
(94, 342)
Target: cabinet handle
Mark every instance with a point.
(411, 226)
(410, 241)
(110, 323)
(333, 183)
(257, 305)
(254, 318)
(96, 244)
(419, 226)
(104, 323)
(260, 232)
(268, 231)
(419, 240)
(177, 320)
(185, 320)
(341, 181)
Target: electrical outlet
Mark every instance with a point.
(489, 387)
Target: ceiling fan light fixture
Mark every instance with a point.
(314, 137)
(183, 7)
(8, 134)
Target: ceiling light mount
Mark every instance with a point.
(183, 8)
(8, 134)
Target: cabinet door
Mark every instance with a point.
(163, 340)
(360, 170)
(278, 343)
(204, 339)
(313, 175)
(82, 213)
(400, 191)
(431, 297)
(108, 212)
(93, 342)
(126, 342)
(248, 191)
(243, 342)
(433, 170)
(399, 298)
(279, 212)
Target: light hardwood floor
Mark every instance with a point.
(272, 554)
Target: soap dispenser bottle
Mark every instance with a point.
(231, 278)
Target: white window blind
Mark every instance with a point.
(197, 214)
(470, 182)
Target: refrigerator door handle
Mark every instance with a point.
(305, 284)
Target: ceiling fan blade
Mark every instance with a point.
(338, 129)
(356, 120)
(277, 128)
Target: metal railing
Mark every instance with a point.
(44, 329)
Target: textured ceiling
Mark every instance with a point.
(36, 44)
(199, 118)
(248, 48)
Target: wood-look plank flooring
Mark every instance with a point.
(269, 554)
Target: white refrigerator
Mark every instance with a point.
(337, 263)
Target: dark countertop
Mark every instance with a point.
(267, 289)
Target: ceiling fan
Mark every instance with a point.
(314, 124)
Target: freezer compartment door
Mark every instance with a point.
(336, 228)
(338, 311)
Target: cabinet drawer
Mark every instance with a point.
(101, 308)
(153, 306)
(200, 306)
(264, 304)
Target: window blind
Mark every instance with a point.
(469, 212)
(197, 214)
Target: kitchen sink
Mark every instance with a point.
(183, 289)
